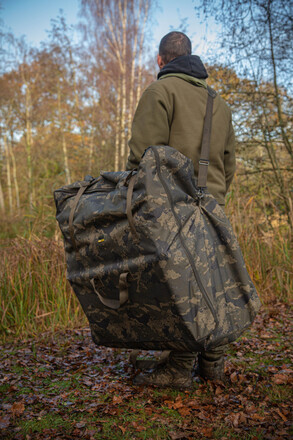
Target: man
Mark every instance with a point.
(171, 112)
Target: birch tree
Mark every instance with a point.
(29, 74)
(9, 85)
(122, 26)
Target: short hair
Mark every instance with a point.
(173, 45)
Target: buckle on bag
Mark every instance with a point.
(199, 193)
(204, 162)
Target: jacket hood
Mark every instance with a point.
(188, 64)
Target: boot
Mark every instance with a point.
(166, 376)
(211, 368)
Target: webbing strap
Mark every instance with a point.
(72, 212)
(123, 293)
(128, 206)
(205, 143)
(123, 288)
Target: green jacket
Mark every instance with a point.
(171, 112)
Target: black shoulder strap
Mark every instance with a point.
(205, 143)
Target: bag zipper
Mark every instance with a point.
(189, 256)
(87, 191)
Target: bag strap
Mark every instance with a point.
(123, 293)
(128, 206)
(205, 143)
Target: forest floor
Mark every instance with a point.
(61, 386)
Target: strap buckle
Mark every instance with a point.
(204, 162)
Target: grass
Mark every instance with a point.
(278, 393)
(223, 431)
(35, 295)
(266, 244)
(48, 421)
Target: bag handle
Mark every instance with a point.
(123, 293)
(205, 143)
(83, 187)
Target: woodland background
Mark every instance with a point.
(66, 111)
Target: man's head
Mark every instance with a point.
(173, 45)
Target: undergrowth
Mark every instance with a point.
(35, 296)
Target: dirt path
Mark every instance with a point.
(63, 387)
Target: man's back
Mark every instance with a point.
(171, 112)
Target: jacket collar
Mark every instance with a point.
(191, 79)
(188, 64)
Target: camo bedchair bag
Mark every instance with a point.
(152, 258)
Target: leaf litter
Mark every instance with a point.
(61, 386)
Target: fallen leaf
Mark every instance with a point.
(4, 422)
(117, 399)
(177, 405)
(87, 382)
(194, 404)
(242, 418)
(184, 411)
(233, 377)
(138, 426)
(218, 391)
(207, 432)
(235, 420)
(265, 335)
(280, 379)
(257, 417)
(281, 415)
(148, 411)
(178, 435)
(273, 369)
(17, 409)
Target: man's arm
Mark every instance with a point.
(229, 157)
(150, 125)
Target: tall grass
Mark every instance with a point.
(34, 293)
(35, 296)
(266, 244)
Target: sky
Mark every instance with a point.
(32, 18)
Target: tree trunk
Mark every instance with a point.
(2, 204)
(139, 75)
(14, 173)
(117, 129)
(63, 140)
(91, 145)
(123, 16)
(28, 138)
(8, 174)
(132, 73)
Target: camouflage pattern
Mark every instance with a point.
(188, 288)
